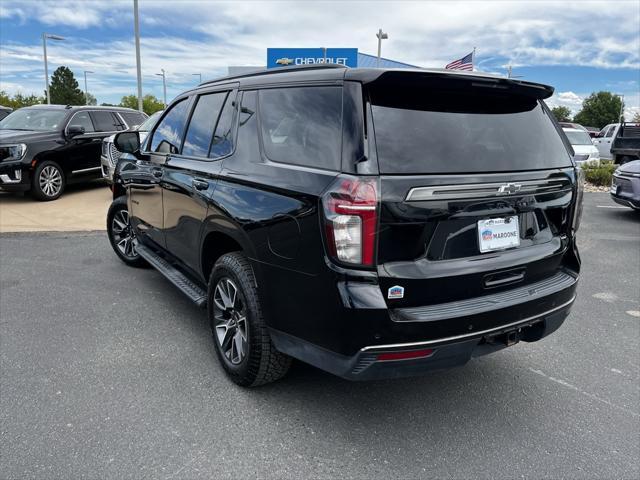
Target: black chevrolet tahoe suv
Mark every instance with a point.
(44, 147)
(373, 223)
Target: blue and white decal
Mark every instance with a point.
(396, 292)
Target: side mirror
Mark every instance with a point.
(127, 142)
(75, 130)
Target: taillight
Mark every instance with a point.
(577, 213)
(351, 219)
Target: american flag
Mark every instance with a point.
(464, 63)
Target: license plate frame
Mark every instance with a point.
(495, 234)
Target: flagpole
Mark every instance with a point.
(473, 58)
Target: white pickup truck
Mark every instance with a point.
(604, 138)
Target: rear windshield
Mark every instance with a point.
(459, 132)
(578, 138)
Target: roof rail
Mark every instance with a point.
(271, 71)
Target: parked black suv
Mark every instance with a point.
(44, 147)
(373, 223)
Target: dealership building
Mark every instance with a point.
(350, 57)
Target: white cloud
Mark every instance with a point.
(219, 34)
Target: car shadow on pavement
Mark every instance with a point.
(20, 197)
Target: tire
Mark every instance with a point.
(242, 342)
(121, 234)
(48, 181)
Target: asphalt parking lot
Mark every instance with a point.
(109, 372)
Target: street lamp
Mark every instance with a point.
(46, 68)
(136, 32)
(199, 75)
(164, 85)
(381, 36)
(86, 93)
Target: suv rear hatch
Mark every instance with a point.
(477, 187)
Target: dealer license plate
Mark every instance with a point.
(498, 233)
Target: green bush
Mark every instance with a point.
(599, 173)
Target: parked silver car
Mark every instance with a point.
(110, 154)
(625, 186)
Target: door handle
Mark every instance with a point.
(156, 172)
(199, 184)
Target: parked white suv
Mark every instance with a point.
(110, 154)
(583, 147)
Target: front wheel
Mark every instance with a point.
(242, 342)
(121, 234)
(48, 181)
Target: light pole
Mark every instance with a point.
(621, 116)
(86, 93)
(199, 75)
(164, 85)
(381, 36)
(136, 29)
(46, 68)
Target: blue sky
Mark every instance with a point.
(578, 47)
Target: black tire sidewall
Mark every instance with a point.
(35, 181)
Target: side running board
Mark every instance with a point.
(196, 294)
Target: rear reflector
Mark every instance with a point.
(382, 357)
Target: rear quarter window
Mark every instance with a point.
(460, 132)
(133, 118)
(302, 125)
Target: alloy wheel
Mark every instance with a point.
(230, 321)
(50, 181)
(123, 234)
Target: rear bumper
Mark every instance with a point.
(389, 360)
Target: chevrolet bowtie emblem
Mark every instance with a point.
(284, 61)
(509, 188)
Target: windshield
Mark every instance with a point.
(578, 138)
(32, 119)
(148, 124)
(421, 130)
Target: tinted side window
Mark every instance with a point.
(302, 125)
(82, 119)
(133, 118)
(203, 122)
(168, 134)
(104, 121)
(611, 130)
(222, 140)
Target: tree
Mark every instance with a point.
(64, 88)
(19, 100)
(599, 109)
(562, 114)
(150, 104)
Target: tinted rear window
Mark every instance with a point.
(302, 126)
(133, 118)
(457, 132)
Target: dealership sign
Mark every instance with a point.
(282, 57)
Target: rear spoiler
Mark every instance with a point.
(448, 80)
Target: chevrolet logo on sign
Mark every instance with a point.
(284, 61)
